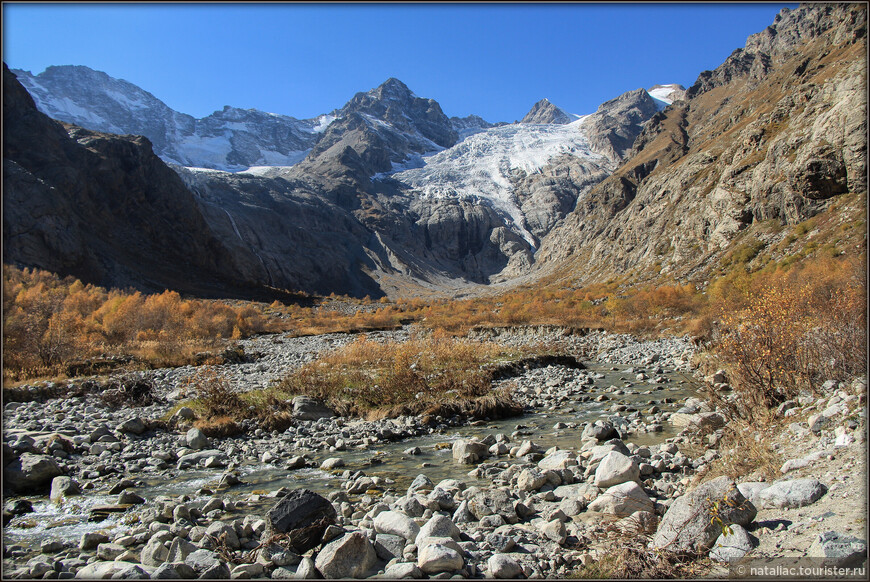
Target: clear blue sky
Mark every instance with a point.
(493, 60)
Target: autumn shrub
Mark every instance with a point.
(215, 395)
(794, 329)
(766, 343)
(50, 322)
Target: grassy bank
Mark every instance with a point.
(435, 376)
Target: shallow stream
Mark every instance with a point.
(386, 460)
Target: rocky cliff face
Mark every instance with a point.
(774, 133)
(232, 138)
(101, 207)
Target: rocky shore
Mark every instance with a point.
(513, 508)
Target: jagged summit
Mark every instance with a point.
(394, 104)
(546, 112)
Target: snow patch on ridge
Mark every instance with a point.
(663, 95)
(322, 123)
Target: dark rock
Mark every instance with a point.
(388, 546)
(130, 498)
(31, 473)
(600, 430)
(304, 515)
(121, 485)
(19, 507)
(307, 408)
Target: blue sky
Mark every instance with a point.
(493, 60)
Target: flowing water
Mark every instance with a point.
(385, 460)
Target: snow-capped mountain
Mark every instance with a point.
(231, 139)
(484, 167)
(394, 196)
(406, 188)
(481, 167)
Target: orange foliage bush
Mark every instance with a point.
(49, 322)
(792, 329)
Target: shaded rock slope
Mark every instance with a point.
(777, 132)
(101, 207)
(107, 210)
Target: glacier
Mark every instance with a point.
(480, 167)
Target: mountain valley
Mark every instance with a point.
(389, 196)
(386, 343)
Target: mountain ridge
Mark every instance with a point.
(392, 196)
(776, 132)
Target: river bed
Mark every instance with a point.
(386, 460)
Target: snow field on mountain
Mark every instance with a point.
(322, 123)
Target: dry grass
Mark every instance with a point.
(430, 376)
(624, 554)
(746, 451)
(219, 427)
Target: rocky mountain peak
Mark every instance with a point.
(471, 124)
(613, 128)
(545, 112)
(396, 105)
(390, 93)
(392, 89)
